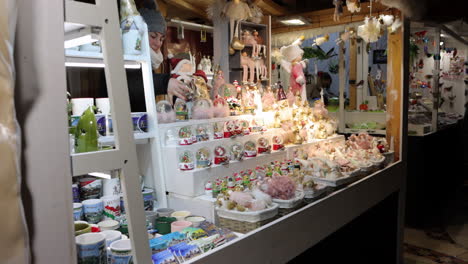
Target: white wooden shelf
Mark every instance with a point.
(370, 131)
(140, 138)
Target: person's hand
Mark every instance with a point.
(177, 88)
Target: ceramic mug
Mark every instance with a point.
(164, 212)
(148, 199)
(76, 193)
(163, 224)
(151, 218)
(195, 220)
(81, 227)
(77, 211)
(111, 187)
(91, 248)
(121, 252)
(104, 105)
(111, 206)
(109, 225)
(93, 210)
(180, 225)
(111, 236)
(131, 42)
(90, 188)
(180, 215)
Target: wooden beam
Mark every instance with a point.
(324, 18)
(395, 89)
(187, 6)
(271, 7)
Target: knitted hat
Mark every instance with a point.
(176, 64)
(153, 17)
(201, 74)
(291, 52)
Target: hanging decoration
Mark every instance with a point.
(353, 5)
(180, 31)
(370, 31)
(203, 35)
(338, 9)
(320, 40)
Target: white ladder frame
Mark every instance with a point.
(124, 157)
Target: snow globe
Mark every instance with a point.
(237, 151)
(165, 112)
(278, 142)
(263, 145)
(220, 153)
(202, 133)
(218, 130)
(203, 158)
(185, 136)
(186, 161)
(250, 149)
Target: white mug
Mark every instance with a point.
(111, 187)
(111, 206)
(121, 251)
(91, 247)
(104, 105)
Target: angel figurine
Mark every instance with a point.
(293, 63)
(236, 10)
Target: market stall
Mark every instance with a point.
(241, 162)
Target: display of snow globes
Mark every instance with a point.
(221, 157)
(245, 127)
(229, 129)
(202, 109)
(236, 151)
(220, 107)
(165, 112)
(209, 188)
(181, 110)
(185, 136)
(186, 161)
(203, 158)
(202, 133)
(263, 145)
(250, 149)
(278, 142)
(218, 130)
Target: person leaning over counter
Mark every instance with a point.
(163, 83)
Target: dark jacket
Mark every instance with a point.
(137, 92)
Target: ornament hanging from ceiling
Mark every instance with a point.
(370, 31)
(353, 5)
(338, 9)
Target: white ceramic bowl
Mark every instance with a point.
(109, 225)
(180, 215)
(196, 220)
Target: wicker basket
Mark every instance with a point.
(241, 226)
(244, 222)
(288, 206)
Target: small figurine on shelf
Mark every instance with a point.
(186, 161)
(238, 178)
(218, 130)
(248, 67)
(216, 188)
(248, 101)
(237, 152)
(181, 110)
(202, 133)
(280, 94)
(231, 184)
(220, 153)
(246, 182)
(86, 135)
(165, 112)
(250, 149)
(268, 100)
(209, 188)
(185, 136)
(263, 145)
(203, 158)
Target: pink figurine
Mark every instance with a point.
(293, 63)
